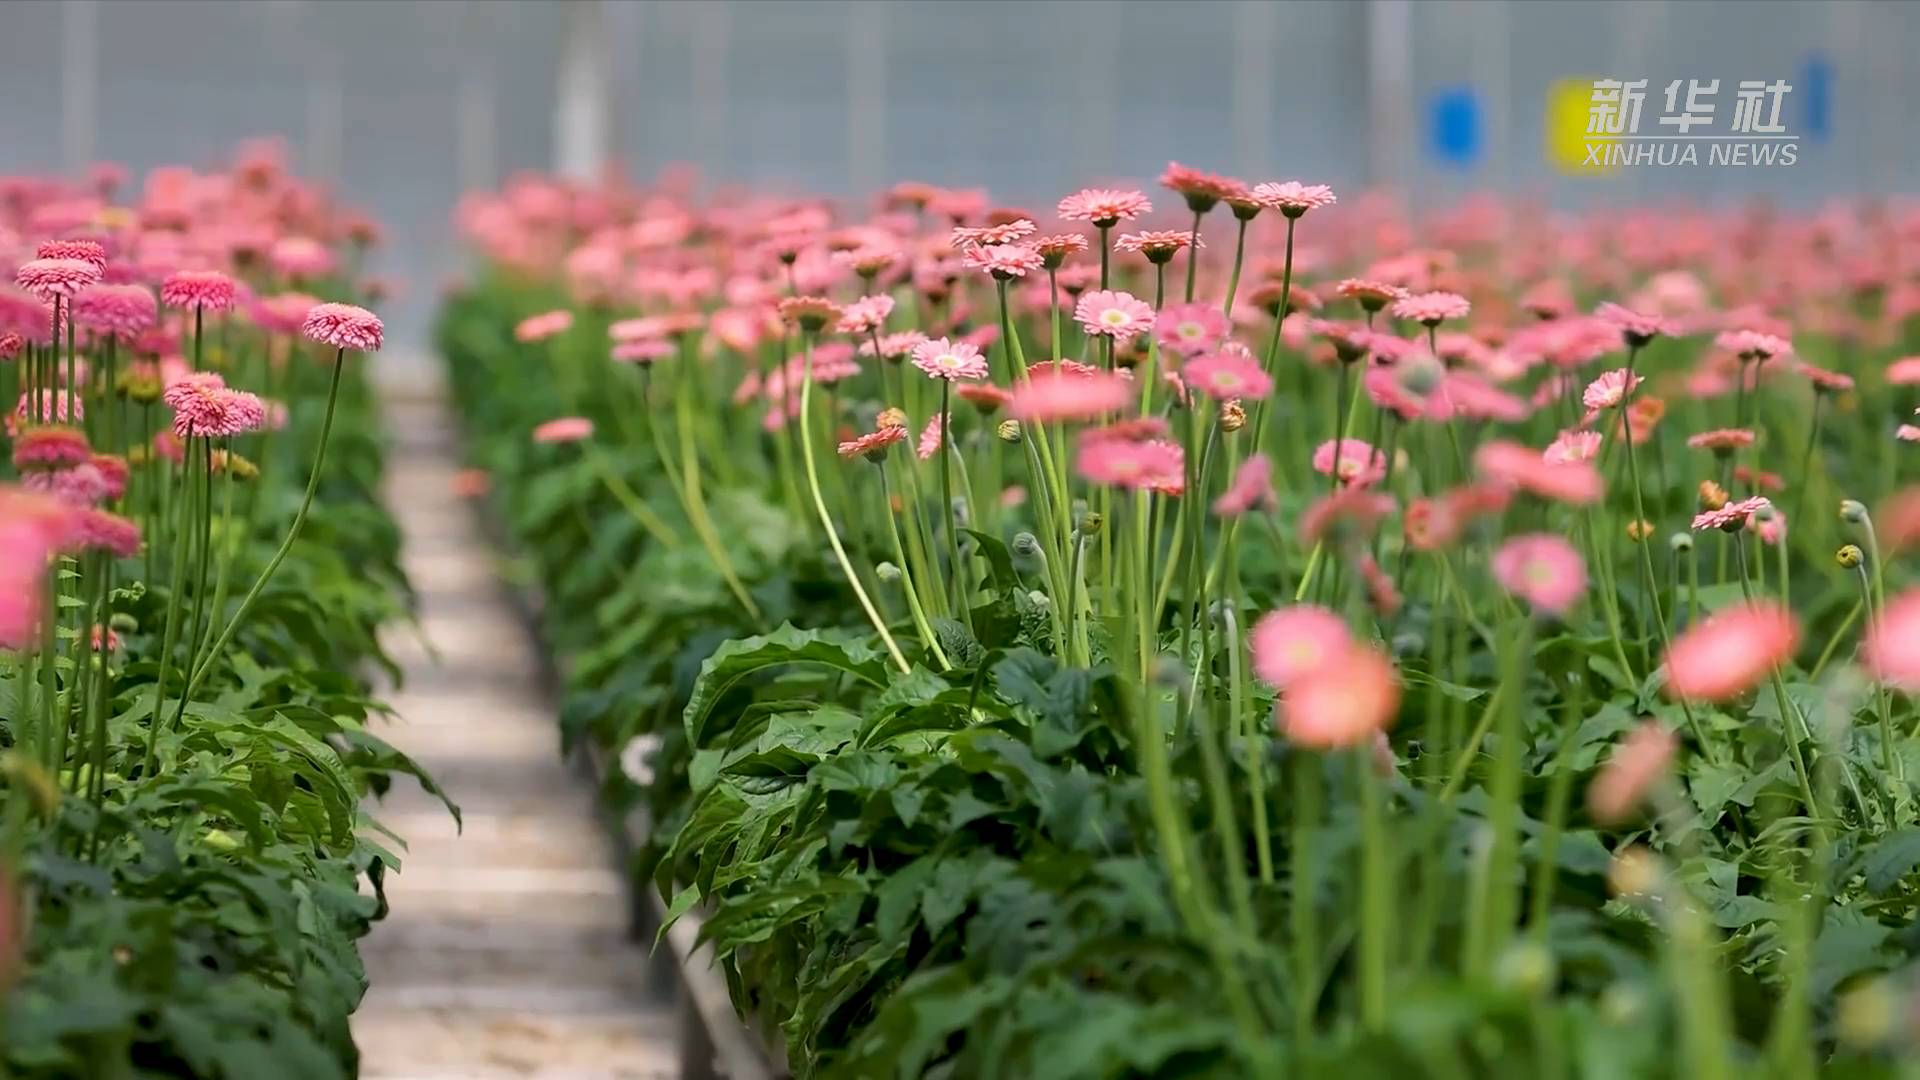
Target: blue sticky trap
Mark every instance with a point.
(1816, 98)
(1455, 129)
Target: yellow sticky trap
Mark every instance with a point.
(1568, 109)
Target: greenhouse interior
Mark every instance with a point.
(702, 539)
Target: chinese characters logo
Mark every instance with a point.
(1686, 129)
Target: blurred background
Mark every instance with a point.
(406, 104)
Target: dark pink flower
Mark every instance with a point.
(344, 326)
(206, 290)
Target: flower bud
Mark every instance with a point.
(887, 572)
(1680, 543)
(1869, 1014)
(891, 417)
(28, 778)
(1528, 968)
(1027, 546)
(1233, 415)
(1008, 431)
(1712, 496)
(1638, 531)
(1091, 522)
(1634, 872)
(1849, 556)
(1853, 512)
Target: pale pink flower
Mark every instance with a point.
(1226, 374)
(1252, 487)
(1610, 389)
(344, 326)
(1431, 308)
(1731, 517)
(1158, 245)
(1004, 261)
(1572, 446)
(1904, 371)
(873, 445)
(1752, 344)
(204, 290)
(865, 315)
(1293, 198)
(1505, 462)
(1056, 247)
(1190, 329)
(1907, 433)
(1731, 652)
(1543, 569)
(1639, 762)
(1049, 395)
(1114, 314)
(564, 429)
(1723, 440)
(1636, 327)
(1343, 703)
(1892, 649)
(1292, 641)
(896, 346)
(964, 237)
(300, 256)
(120, 310)
(52, 278)
(1146, 465)
(1354, 461)
(1104, 207)
(943, 358)
(642, 350)
(543, 326)
(1371, 295)
(1202, 190)
(931, 436)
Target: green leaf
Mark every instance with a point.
(1891, 858)
(737, 660)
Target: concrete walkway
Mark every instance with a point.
(507, 953)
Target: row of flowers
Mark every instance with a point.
(189, 587)
(1288, 562)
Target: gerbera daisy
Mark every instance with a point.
(1543, 569)
(1158, 245)
(1342, 703)
(1292, 641)
(1722, 441)
(1431, 308)
(204, 290)
(1637, 764)
(564, 429)
(1114, 314)
(49, 279)
(1752, 344)
(1190, 329)
(1252, 486)
(1636, 327)
(1892, 649)
(1731, 652)
(1732, 517)
(943, 358)
(964, 237)
(1610, 389)
(1293, 198)
(1003, 261)
(1370, 295)
(874, 445)
(543, 326)
(1202, 190)
(344, 326)
(865, 315)
(1048, 395)
(1104, 207)
(1226, 375)
(1354, 462)
(1572, 446)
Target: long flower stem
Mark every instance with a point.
(293, 531)
(826, 519)
(919, 613)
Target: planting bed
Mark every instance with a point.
(186, 626)
(1032, 657)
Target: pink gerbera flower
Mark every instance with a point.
(1003, 261)
(1752, 344)
(1731, 652)
(1578, 482)
(1722, 440)
(1226, 375)
(120, 310)
(1158, 245)
(1638, 763)
(642, 350)
(52, 278)
(205, 290)
(1190, 329)
(99, 530)
(1355, 510)
(1343, 703)
(1114, 314)
(1572, 446)
(87, 251)
(1610, 389)
(300, 256)
(963, 237)
(1104, 207)
(343, 326)
(1907, 433)
(1252, 487)
(1292, 641)
(1202, 190)
(1370, 295)
(564, 429)
(1636, 327)
(1431, 308)
(874, 444)
(50, 447)
(1904, 371)
(1732, 517)
(1830, 382)
(1055, 248)
(1153, 465)
(1542, 569)
(1049, 395)
(1892, 649)
(865, 315)
(1354, 462)
(543, 326)
(985, 397)
(1293, 198)
(943, 358)
(931, 436)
